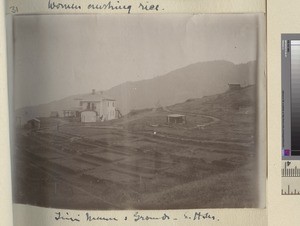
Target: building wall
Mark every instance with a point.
(105, 109)
(88, 116)
(100, 110)
(89, 105)
(109, 109)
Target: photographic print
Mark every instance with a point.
(140, 112)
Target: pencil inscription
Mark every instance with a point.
(139, 217)
(89, 217)
(136, 217)
(110, 5)
(66, 217)
(59, 5)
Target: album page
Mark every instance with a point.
(125, 112)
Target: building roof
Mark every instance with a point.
(175, 115)
(73, 109)
(88, 111)
(97, 97)
(34, 119)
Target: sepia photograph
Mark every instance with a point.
(138, 112)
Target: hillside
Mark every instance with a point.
(193, 81)
(230, 116)
(145, 162)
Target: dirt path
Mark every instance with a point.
(203, 141)
(167, 136)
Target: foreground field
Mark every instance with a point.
(141, 162)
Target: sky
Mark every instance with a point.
(56, 56)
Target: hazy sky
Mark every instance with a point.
(61, 55)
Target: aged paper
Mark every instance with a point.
(5, 182)
(25, 215)
(282, 18)
(169, 6)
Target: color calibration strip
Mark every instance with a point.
(290, 56)
(290, 181)
(290, 72)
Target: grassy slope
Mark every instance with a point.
(234, 188)
(227, 179)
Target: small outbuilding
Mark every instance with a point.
(34, 123)
(176, 118)
(234, 86)
(71, 113)
(88, 116)
(54, 114)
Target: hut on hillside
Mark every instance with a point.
(34, 123)
(234, 86)
(176, 118)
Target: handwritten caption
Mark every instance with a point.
(109, 5)
(135, 217)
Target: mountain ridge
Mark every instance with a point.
(192, 81)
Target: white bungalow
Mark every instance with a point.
(97, 107)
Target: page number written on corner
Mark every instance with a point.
(13, 9)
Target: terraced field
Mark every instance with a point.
(141, 162)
